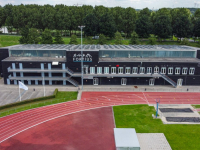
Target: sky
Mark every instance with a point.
(137, 4)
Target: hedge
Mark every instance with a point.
(29, 101)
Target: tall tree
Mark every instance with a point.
(182, 27)
(134, 38)
(58, 38)
(145, 12)
(2, 17)
(144, 26)
(118, 38)
(48, 17)
(46, 37)
(24, 37)
(102, 39)
(91, 25)
(117, 13)
(196, 30)
(33, 36)
(73, 39)
(162, 27)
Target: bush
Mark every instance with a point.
(185, 41)
(152, 40)
(134, 39)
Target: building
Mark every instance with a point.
(58, 64)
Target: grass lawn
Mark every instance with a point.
(9, 40)
(180, 137)
(196, 106)
(60, 97)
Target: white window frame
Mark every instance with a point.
(184, 70)
(156, 70)
(191, 71)
(92, 70)
(128, 70)
(170, 70)
(177, 70)
(99, 70)
(123, 81)
(120, 70)
(135, 70)
(142, 70)
(149, 70)
(151, 81)
(179, 82)
(95, 81)
(106, 70)
(113, 69)
(163, 70)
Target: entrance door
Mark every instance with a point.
(85, 70)
(179, 82)
(95, 81)
(123, 81)
(151, 81)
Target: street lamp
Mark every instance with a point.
(81, 27)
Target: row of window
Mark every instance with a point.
(171, 70)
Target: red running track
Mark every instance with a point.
(19, 122)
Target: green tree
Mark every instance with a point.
(73, 39)
(102, 39)
(107, 25)
(91, 25)
(46, 37)
(134, 39)
(144, 26)
(118, 38)
(196, 31)
(24, 37)
(2, 17)
(162, 27)
(152, 40)
(145, 12)
(182, 27)
(33, 36)
(185, 41)
(58, 38)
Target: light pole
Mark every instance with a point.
(81, 27)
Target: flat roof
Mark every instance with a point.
(126, 137)
(33, 59)
(71, 47)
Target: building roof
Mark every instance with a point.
(35, 59)
(71, 47)
(126, 137)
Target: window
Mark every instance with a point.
(120, 70)
(106, 70)
(149, 70)
(184, 70)
(142, 70)
(151, 81)
(95, 81)
(128, 70)
(177, 70)
(123, 81)
(170, 70)
(113, 70)
(179, 82)
(92, 70)
(99, 70)
(163, 70)
(135, 70)
(156, 70)
(192, 69)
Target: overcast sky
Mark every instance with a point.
(137, 4)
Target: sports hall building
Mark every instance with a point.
(38, 64)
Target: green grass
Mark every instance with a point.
(196, 106)
(180, 137)
(9, 40)
(60, 97)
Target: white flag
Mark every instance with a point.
(22, 86)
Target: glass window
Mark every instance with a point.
(120, 70)
(192, 69)
(170, 70)
(179, 82)
(163, 70)
(113, 70)
(177, 70)
(184, 70)
(99, 70)
(156, 70)
(92, 70)
(142, 70)
(123, 81)
(128, 70)
(149, 70)
(135, 70)
(95, 81)
(106, 70)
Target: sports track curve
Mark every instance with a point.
(19, 122)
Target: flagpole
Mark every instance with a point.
(43, 85)
(19, 93)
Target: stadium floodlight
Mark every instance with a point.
(81, 27)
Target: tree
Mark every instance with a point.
(118, 38)
(134, 39)
(24, 37)
(196, 30)
(2, 17)
(107, 25)
(33, 36)
(152, 40)
(73, 39)
(102, 39)
(162, 27)
(46, 37)
(145, 12)
(182, 27)
(58, 38)
(91, 25)
(144, 26)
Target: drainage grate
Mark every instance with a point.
(186, 110)
(183, 119)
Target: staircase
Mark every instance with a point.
(72, 81)
(69, 71)
(168, 80)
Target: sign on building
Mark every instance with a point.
(86, 58)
